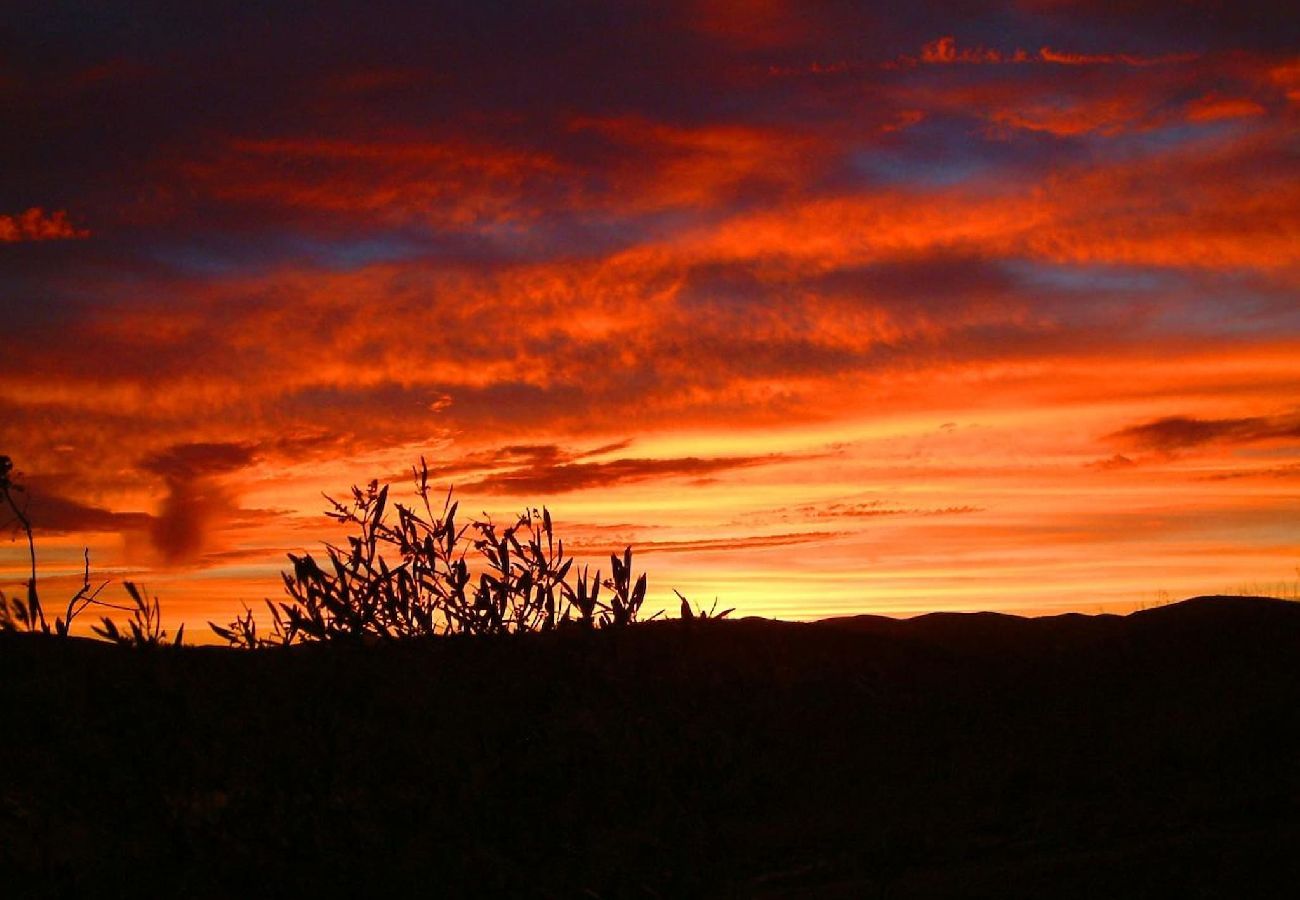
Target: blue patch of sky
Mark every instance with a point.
(1225, 309)
(584, 234)
(1166, 300)
(1138, 144)
(356, 253)
(935, 153)
(1091, 278)
(1089, 295)
(219, 256)
(201, 260)
(566, 235)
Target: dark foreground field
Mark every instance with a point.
(944, 756)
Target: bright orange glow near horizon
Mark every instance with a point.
(822, 309)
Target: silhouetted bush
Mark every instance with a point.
(689, 614)
(242, 631)
(144, 628)
(17, 614)
(414, 573)
(412, 577)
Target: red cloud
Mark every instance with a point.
(945, 50)
(36, 225)
(1065, 58)
(1287, 77)
(452, 183)
(1070, 95)
(1214, 106)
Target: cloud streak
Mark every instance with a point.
(546, 474)
(946, 51)
(1173, 433)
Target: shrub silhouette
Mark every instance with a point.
(690, 614)
(242, 632)
(412, 577)
(402, 578)
(144, 628)
(17, 614)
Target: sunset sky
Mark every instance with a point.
(825, 308)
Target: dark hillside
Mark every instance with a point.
(943, 756)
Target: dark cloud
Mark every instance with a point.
(1264, 473)
(198, 500)
(1174, 433)
(877, 508)
(520, 458)
(51, 513)
(187, 462)
(546, 474)
(930, 280)
(1114, 463)
(751, 542)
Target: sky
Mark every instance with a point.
(825, 308)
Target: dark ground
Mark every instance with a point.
(943, 756)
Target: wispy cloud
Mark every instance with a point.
(51, 513)
(737, 544)
(873, 509)
(1262, 473)
(1173, 433)
(549, 474)
(946, 50)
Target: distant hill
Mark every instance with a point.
(947, 755)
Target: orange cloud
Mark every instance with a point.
(1287, 77)
(36, 225)
(1067, 118)
(945, 51)
(1048, 55)
(569, 337)
(1078, 99)
(1226, 211)
(643, 166)
(1225, 205)
(660, 166)
(1213, 107)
